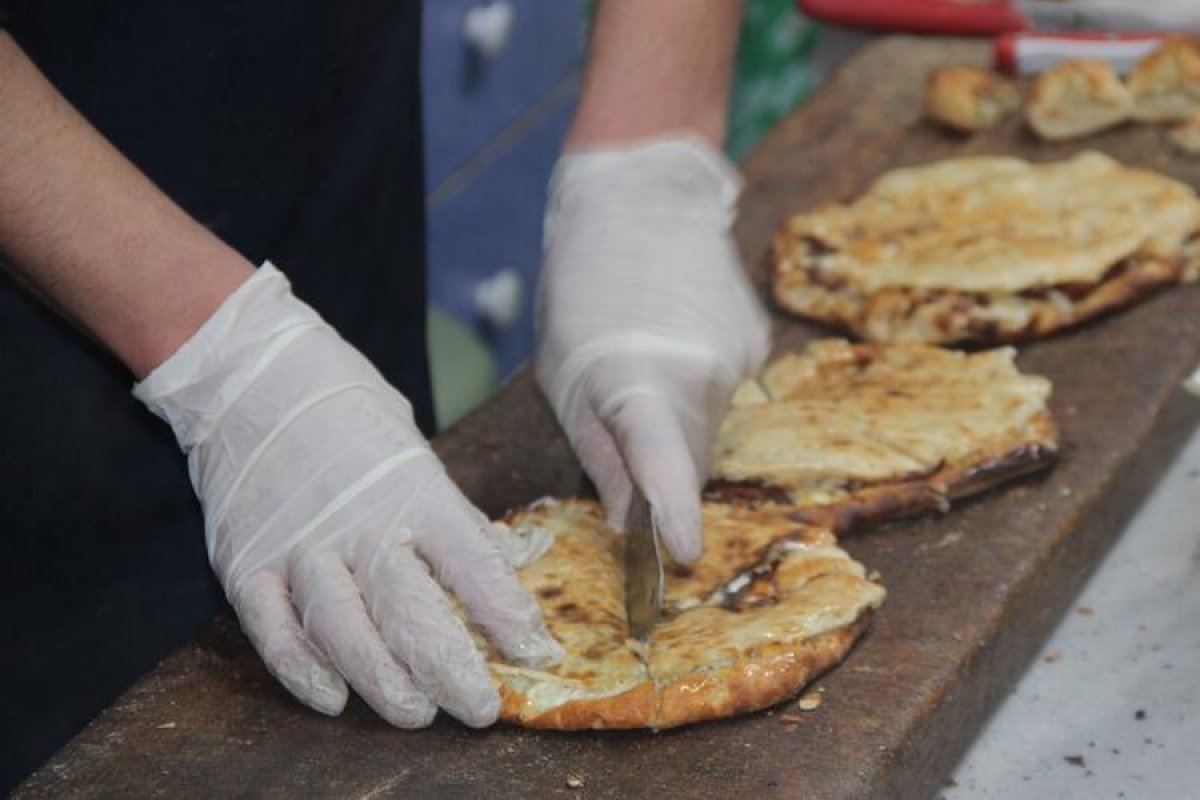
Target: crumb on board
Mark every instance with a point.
(1053, 657)
(1087, 611)
(809, 702)
(574, 782)
(1075, 761)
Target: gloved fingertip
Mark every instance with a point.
(680, 530)
(327, 693)
(539, 650)
(479, 710)
(407, 709)
(615, 517)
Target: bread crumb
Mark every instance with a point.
(809, 702)
(574, 782)
(1053, 657)
(1087, 611)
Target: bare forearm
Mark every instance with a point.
(92, 235)
(657, 67)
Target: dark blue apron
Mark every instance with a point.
(292, 130)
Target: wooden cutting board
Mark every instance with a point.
(972, 594)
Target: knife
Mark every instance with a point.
(643, 568)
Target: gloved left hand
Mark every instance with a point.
(331, 524)
(647, 322)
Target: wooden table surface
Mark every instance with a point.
(971, 594)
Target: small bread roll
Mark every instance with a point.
(1076, 98)
(969, 98)
(1186, 135)
(1166, 83)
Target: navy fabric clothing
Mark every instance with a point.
(292, 130)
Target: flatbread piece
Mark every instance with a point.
(988, 249)
(856, 434)
(771, 604)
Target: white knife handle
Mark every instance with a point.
(1028, 53)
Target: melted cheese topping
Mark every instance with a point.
(735, 541)
(839, 413)
(579, 587)
(992, 224)
(809, 593)
(802, 584)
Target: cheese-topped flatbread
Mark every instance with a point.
(986, 248)
(857, 432)
(772, 603)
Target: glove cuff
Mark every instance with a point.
(672, 173)
(192, 389)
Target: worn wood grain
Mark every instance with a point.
(971, 594)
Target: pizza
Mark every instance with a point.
(857, 434)
(771, 604)
(987, 249)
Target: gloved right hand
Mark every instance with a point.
(325, 511)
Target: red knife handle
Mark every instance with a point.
(920, 16)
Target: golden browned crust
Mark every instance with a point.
(877, 505)
(1165, 85)
(969, 98)
(946, 316)
(757, 680)
(633, 708)
(1076, 98)
(772, 604)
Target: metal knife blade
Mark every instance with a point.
(643, 568)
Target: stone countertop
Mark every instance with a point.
(1111, 706)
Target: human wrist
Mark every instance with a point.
(174, 303)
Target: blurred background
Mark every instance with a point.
(500, 82)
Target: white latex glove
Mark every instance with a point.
(323, 506)
(647, 322)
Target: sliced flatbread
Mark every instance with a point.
(988, 249)
(771, 604)
(1077, 98)
(1166, 84)
(856, 434)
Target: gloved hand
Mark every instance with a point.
(647, 322)
(325, 510)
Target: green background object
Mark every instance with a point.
(774, 71)
(462, 370)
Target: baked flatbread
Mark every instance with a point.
(1166, 84)
(969, 98)
(1077, 98)
(987, 249)
(771, 605)
(855, 434)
